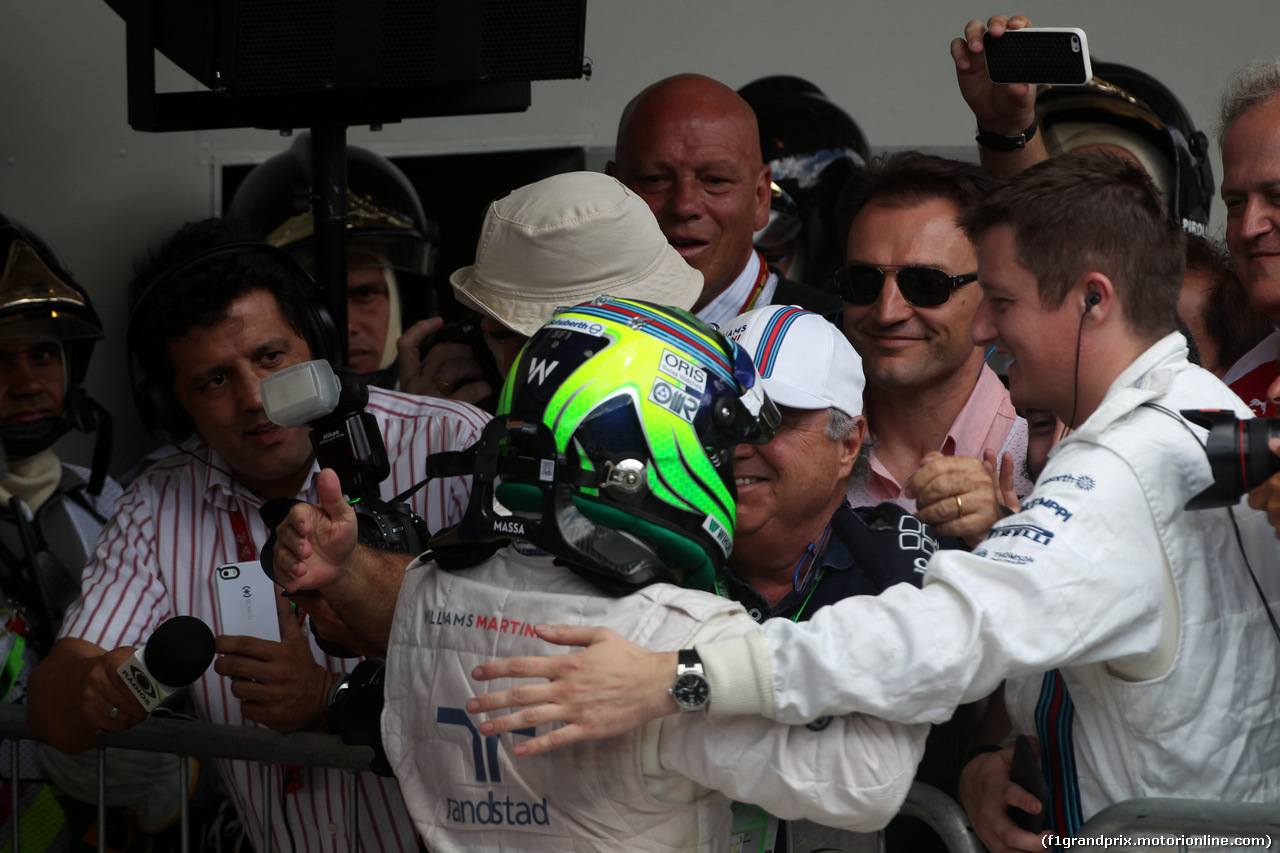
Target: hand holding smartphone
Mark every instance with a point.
(1057, 56)
(1026, 771)
(246, 601)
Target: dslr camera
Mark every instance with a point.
(1238, 455)
(345, 438)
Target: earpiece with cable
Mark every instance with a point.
(1091, 300)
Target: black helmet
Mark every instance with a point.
(813, 147)
(41, 301)
(383, 213)
(1137, 103)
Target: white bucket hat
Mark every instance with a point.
(804, 360)
(565, 240)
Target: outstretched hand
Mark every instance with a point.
(315, 540)
(1005, 108)
(605, 689)
(1001, 474)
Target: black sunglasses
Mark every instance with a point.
(920, 286)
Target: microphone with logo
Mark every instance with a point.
(176, 654)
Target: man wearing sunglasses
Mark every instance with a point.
(910, 296)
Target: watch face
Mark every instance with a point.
(691, 690)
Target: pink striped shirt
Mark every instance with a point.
(156, 559)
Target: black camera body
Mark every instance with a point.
(345, 438)
(348, 441)
(1238, 455)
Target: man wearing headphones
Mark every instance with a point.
(210, 318)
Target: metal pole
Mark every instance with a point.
(184, 820)
(353, 816)
(102, 799)
(329, 214)
(267, 834)
(14, 820)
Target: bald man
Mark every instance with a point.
(689, 146)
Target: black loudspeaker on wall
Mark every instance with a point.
(307, 62)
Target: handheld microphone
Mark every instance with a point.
(176, 654)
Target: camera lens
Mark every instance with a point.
(1258, 462)
(1239, 457)
(1075, 44)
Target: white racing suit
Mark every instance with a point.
(652, 789)
(1149, 611)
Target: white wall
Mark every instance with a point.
(71, 167)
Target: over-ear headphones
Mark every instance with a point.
(1091, 300)
(157, 406)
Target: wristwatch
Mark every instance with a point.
(691, 689)
(1000, 142)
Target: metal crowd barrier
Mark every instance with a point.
(944, 816)
(1184, 818)
(204, 740)
(924, 802)
(1192, 820)
(1132, 818)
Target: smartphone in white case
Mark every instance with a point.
(247, 601)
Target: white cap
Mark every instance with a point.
(804, 360)
(568, 239)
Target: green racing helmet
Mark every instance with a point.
(614, 442)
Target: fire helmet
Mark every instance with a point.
(385, 220)
(1129, 108)
(813, 147)
(41, 301)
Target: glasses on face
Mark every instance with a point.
(922, 287)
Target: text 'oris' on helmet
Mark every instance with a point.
(1129, 109)
(619, 422)
(813, 147)
(40, 302)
